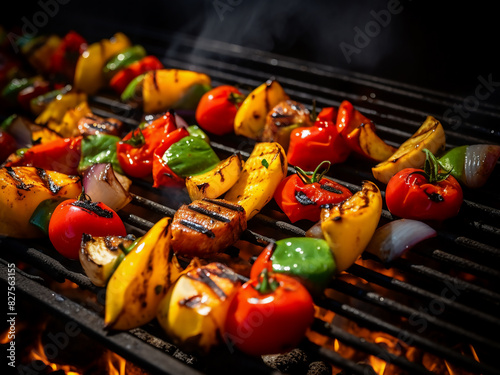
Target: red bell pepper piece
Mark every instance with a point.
(63, 60)
(309, 146)
(121, 79)
(135, 150)
(60, 155)
(162, 173)
(328, 114)
(7, 145)
(349, 120)
(25, 95)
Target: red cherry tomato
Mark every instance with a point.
(217, 108)
(301, 195)
(262, 322)
(7, 145)
(423, 194)
(72, 218)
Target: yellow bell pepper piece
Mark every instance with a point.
(217, 181)
(349, 226)
(40, 57)
(141, 280)
(23, 188)
(195, 308)
(89, 76)
(263, 171)
(68, 127)
(165, 88)
(250, 118)
(57, 108)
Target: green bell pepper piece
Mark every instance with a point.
(7, 122)
(133, 91)
(196, 131)
(99, 148)
(122, 60)
(309, 259)
(11, 90)
(192, 97)
(43, 212)
(454, 160)
(190, 156)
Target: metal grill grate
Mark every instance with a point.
(442, 294)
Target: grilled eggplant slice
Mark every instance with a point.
(206, 227)
(99, 256)
(22, 189)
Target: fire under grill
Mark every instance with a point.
(437, 308)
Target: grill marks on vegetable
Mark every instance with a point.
(207, 226)
(303, 199)
(48, 182)
(209, 277)
(20, 183)
(93, 207)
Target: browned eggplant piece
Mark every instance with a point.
(206, 227)
(99, 256)
(283, 119)
(93, 124)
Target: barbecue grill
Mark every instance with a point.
(439, 301)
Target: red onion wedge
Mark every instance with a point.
(480, 160)
(393, 239)
(101, 184)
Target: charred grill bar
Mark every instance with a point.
(441, 298)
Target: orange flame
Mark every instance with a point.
(116, 364)
(38, 354)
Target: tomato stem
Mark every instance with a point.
(432, 168)
(137, 139)
(235, 98)
(266, 284)
(316, 176)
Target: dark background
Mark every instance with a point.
(441, 46)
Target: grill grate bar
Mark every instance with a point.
(466, 264)
(122, 343)
(444, 278)
(408, 337)
(392, 305)
(401, 286)
(368, 347)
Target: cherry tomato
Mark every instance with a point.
(7, 145)
(269, 315)
(217, 108)
(72, 218)
(301, 195)
(424, 194)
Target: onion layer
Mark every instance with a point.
(393, 239)
(480, 160)
(102, 185)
